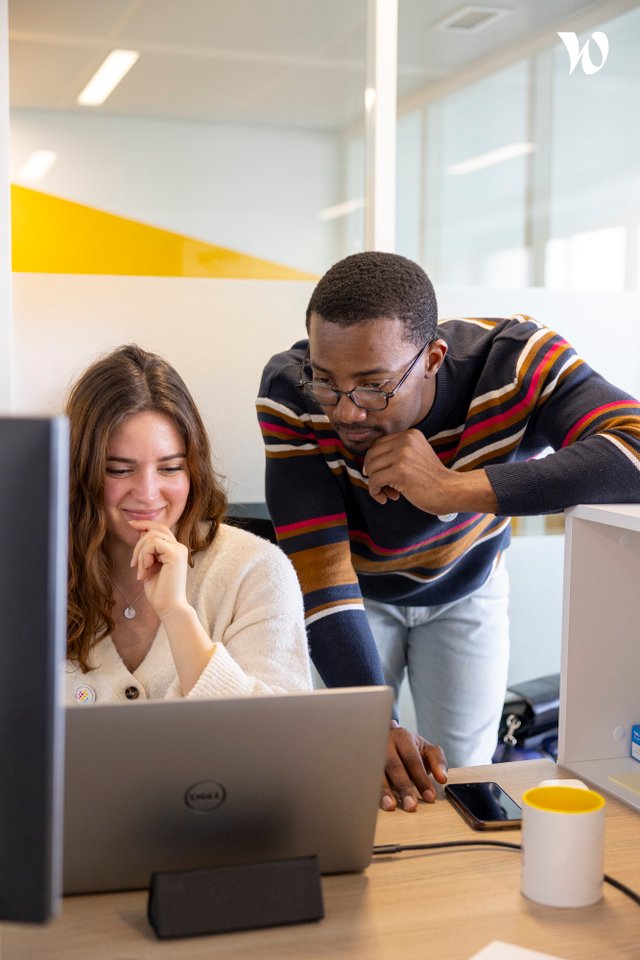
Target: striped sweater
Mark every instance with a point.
(508, 390)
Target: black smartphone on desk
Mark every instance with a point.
(485, 805)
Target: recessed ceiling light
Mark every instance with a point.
(107, 77)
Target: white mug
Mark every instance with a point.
(562, 846)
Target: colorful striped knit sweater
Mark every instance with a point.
(507, 391)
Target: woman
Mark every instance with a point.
(164, 599)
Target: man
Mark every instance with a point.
(397, 449)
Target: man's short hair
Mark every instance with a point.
(370, 285)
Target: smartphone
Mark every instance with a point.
(485, 806)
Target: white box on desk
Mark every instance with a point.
(600, 662)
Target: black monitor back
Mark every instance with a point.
(33, 591)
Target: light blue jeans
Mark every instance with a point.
(456, 656)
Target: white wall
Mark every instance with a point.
(535, 565)
(253, 189)
(217, 333)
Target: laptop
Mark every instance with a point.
(183, 784)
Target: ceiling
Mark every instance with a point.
(296, 63)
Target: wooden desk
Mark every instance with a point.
(443, 904)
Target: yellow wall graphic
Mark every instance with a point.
(52, 235)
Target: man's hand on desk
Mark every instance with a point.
(410, 760)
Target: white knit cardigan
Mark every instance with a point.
(247, 597)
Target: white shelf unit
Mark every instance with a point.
(600, 663)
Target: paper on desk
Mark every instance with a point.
(498, 950)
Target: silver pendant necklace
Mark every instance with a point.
(130, 609)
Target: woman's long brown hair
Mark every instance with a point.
(127, 381)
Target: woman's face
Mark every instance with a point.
(146, 475)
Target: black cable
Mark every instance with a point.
(401, 848)
(388, 848)
(628, 892)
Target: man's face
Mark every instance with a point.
(374, 354)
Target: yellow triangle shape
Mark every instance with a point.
(52, 235)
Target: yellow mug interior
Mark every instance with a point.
(563, 799)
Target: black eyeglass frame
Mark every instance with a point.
(387, 394)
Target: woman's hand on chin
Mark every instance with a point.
(161, 563)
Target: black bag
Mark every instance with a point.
(529, 724)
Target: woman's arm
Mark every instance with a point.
(244, 631)
(162, 563)
(250, 600)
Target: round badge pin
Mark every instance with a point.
(84, 695)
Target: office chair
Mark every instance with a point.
(261, 526)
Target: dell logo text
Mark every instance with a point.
(205, 795)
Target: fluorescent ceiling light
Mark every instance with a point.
(490, 159)
(37, 166)
(107, 77)
(341, 209)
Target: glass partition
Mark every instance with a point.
(522, 165)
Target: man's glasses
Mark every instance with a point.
(367, 398)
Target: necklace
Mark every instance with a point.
(130, 609)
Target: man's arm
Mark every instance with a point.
(556, 401)
(404, 464)
(598, 462)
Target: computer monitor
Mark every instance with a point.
(33, 594)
